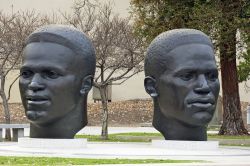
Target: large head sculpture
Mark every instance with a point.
(55, 78)
(182, 78)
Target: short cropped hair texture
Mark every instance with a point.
(69, 37)
(156, 59)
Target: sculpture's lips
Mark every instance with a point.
(37, 100)
(201, 102)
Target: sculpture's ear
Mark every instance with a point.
(149, 84)
(87, 84)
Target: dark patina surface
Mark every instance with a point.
(182, 78)
(55, 78)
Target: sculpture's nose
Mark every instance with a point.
(202, 85)
(36, 83)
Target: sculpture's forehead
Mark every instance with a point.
(48, 50)
(64, 35)
(191, 56)
(41, 54)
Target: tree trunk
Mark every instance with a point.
(232, 116)
(104, 98)
(6, 114)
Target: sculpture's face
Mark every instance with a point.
(189, 88)
(49, 83)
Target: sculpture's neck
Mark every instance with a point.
(173, 129)
(66, 127)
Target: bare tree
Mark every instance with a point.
(119, 52)
(14, 28)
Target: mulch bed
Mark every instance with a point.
(122, 113)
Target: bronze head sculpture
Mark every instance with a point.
(182, 78)
(55, 78)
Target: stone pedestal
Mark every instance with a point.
(186, 145)
(52, 143)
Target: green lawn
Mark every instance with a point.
(227, 140)
(119, 137)
(214, 127)
(215, 136)
(124, 137)
(42, 161)
(147, 137)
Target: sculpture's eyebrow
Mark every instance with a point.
(42, 68)
(195, 70)
(185, 70)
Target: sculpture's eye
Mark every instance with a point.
(187, 76)
(50, 74)
(26, 73)
(212, 76)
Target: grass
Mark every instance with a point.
(241, 145)
(214, 127)
(224, 140)
(228, 140)
(124, 137)
(147, 137)
(140, 134)
(242, 137)
(119, 137)
(42, 161)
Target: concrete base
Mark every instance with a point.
(52, 143)
(186, 145)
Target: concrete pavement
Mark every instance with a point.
(223, 156)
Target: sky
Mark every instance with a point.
(50, 6)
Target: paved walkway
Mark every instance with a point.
(223, 156)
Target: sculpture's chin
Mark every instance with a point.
(202, 118)
(197, 115)
(35, 115)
